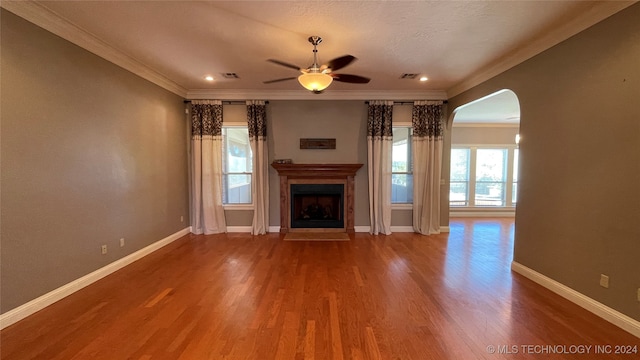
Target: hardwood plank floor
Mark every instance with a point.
(236, 296)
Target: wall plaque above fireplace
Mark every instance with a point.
(316, 197)
(317, 143)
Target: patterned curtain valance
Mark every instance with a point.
(206, 118)
(427, 119)
(379, 124)
(257, 119)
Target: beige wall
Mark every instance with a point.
(90, 154)
(578, 212)
(485, 135)
(346, 121)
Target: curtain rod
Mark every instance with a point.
(411, 102)
(228, 102)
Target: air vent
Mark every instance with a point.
(408, 76)
(230, 75)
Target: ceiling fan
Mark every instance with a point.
(317, 78)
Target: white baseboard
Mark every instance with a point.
(37, 304)
(240, 229)
(444, 229)
(274, 229)
(613, 316)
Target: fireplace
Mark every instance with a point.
(316, 197)
(317, 205)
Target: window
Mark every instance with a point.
(483, 176)
(515, 177)
(459, 193)
(490, 177)
(402, 166)
(236, 165)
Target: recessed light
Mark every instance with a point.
(424, 78)
(208, 78)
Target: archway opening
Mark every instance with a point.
(483, 175)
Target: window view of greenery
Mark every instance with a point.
(402, 167)
(236, 165)
(491, 177)
(481, 176)
(459, 193)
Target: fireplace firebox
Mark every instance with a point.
(317, 205)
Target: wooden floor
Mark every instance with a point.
(234, 296)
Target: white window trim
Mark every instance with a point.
(402, 206)
(238, 206)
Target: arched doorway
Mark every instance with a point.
(484, 156)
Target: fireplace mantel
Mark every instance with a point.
(317, 170)
(316, 174)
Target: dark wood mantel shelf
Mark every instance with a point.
(317, 170)
(317, 174)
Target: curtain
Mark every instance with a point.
(427, 144)
(379, 145)
(206, 167)
(257, 123)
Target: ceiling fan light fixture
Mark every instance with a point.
(316, 78)
(315, 81)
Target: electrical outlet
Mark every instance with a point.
(181, 218)
(638, 294)
(604, 281)
(121, 242)
(104, 249)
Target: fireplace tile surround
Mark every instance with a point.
(291, 174)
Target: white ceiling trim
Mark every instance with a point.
(328, 94)
(55, 24)
(599, 11)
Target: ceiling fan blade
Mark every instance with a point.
(278, 80)
(282, 63)
(354, 79)
(339, 63)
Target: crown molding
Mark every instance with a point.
(52, 22)
(597, 12)
(228, 94)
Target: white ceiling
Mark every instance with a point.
(499, 108)
(175, 44)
